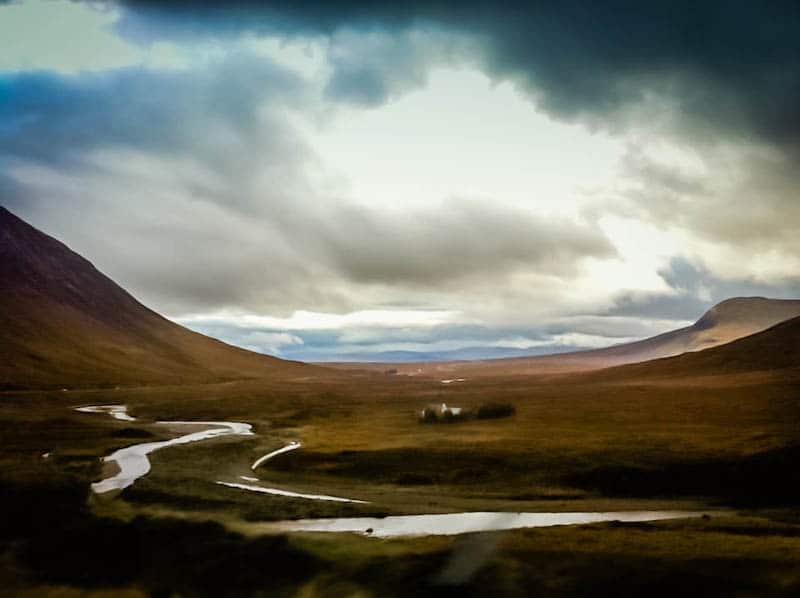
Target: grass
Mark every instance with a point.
(575, 443)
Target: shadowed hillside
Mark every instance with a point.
(775, 349)
(64, 323)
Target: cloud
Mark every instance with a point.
(737, 205)
(411, 336)
(270, 343)
(695, 289)
(317, 321)
(719, 80)
(373, 67)
(55, 118)
(457, 240)
(208, 197)
(725, 70)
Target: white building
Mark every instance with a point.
(452, 410)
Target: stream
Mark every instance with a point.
(133, 463)
(449, 524)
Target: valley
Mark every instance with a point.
(675, 473)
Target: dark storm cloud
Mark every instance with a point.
(369, 69)
(730, 69)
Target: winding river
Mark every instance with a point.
(133, 463)
(289, 493)
(449, 524)
(293, 445)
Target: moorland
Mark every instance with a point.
(702, 430)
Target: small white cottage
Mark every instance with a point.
(452, 410)
(440, 411)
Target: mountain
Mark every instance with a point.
(467, 353)
(64, 323)
(727, 321)
(776, 349)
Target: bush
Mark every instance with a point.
(495, 410)
(429, 416)
(433, 415)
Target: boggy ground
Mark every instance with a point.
(578, 442)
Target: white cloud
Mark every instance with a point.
(268, 342)
(308, 320)
(464, 136)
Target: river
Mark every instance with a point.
(133, 463)
(449, 524)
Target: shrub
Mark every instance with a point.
(433, 415)
(429, 416)
(495, 410)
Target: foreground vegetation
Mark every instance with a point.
(67, 548)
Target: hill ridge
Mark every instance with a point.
(728, 320)
(773, 349)
(65, 323)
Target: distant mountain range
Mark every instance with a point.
(726, 322)
(467, 353)
(64, 323)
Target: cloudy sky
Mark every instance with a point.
(344, 180)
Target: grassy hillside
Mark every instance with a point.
(776, 350)
(64, 323)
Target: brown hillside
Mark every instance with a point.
(64, 323)
(775, 349)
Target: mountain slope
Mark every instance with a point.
(727, 321)
(64, 323)
(775, 349)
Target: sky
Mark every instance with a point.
(421, 180)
